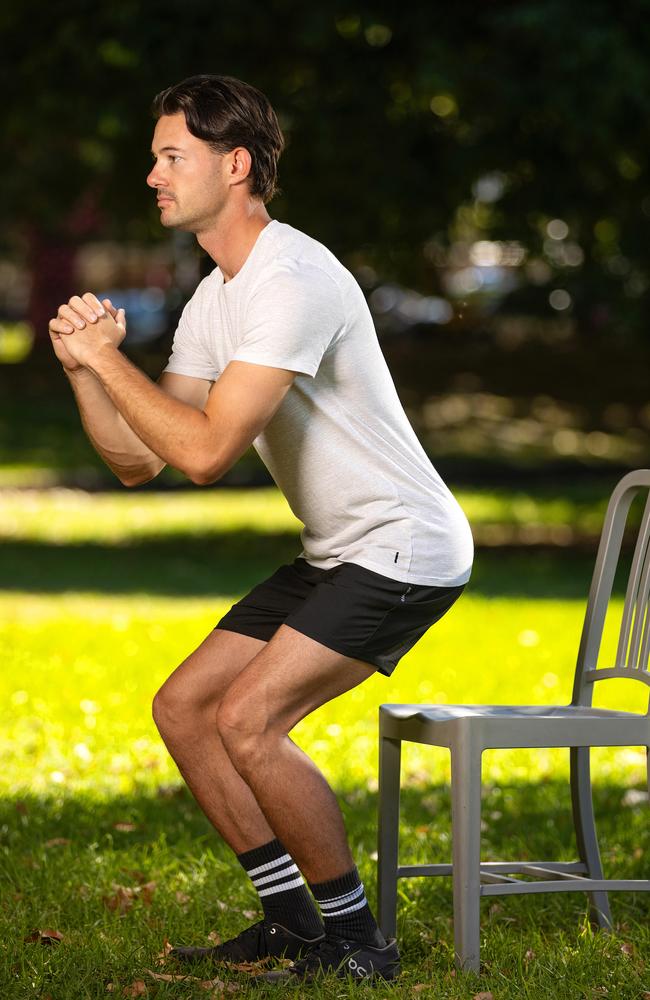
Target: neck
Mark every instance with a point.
(233, 236)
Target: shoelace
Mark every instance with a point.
(323, 955)
(254, 931)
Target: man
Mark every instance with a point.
(277, 349)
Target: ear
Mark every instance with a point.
(239, 164)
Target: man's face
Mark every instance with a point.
(187, 175)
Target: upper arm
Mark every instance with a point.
(188, 389)
(193, 391)
(240, 405)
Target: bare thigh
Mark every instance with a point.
(202, 678)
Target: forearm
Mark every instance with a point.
(171, 429)
(114, 440)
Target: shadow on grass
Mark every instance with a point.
(232, 562)
(521, 821)
(70, 863)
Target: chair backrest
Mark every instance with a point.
(633, 646)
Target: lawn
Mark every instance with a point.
(103, 595)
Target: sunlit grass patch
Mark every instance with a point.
(104, 596)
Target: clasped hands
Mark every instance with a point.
(84, 327)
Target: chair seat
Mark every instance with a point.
(511, 726)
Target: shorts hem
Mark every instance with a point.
(250, 630)
(342, 649)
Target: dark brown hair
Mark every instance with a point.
(226, 113)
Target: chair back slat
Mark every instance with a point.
(602, 582)
(636, 599)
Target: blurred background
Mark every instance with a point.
(482, 169)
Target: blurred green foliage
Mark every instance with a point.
(392, 114)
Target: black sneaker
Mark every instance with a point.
(344, 958)
(256, 943)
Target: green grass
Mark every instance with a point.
(102, 596)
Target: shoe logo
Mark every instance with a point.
(357, 969)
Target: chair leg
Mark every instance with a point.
(585, 827)
(390, 752)
(466, 846)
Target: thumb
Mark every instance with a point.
(120, 319)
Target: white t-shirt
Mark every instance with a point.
(340, 446)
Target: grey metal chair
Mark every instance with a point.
(468, 730)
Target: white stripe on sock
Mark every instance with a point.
(291, 870)
(281, 888)
(336, 901)
(348, 909)
(283, 860)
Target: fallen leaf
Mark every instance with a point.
(249, 914)
(627, 949)
(57, 842)
(419, 987)
(137, 989)
(255, 967)
(214, 938)
(121, 900)
(45, 936)
(167, 977)
(125, 827)
(162, 955)
(484, 995)
(645, 995)
(135, 874)
(124, 896)
(110, 988)
(146, 891)
(182, 898)
(530, 955)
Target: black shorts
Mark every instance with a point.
(348, 608)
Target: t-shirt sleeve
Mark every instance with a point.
(291, 319)
(190, 354)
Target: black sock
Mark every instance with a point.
(281, 888)
(345, 909)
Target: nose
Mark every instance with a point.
(153, 178)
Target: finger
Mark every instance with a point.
(73, 317)
(84, 310)
(120, 319)
(93, 302)
(109, 307)
(60, 326)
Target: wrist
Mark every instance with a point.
(104, 361)
(77, 375)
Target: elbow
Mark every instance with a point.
(138, 478)
(131, 482)
(204, 473)
(204, 477)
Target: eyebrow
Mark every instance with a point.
(169, 149)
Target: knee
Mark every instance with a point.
(175, 710)
(242, 732)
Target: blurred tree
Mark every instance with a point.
(409, 128)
